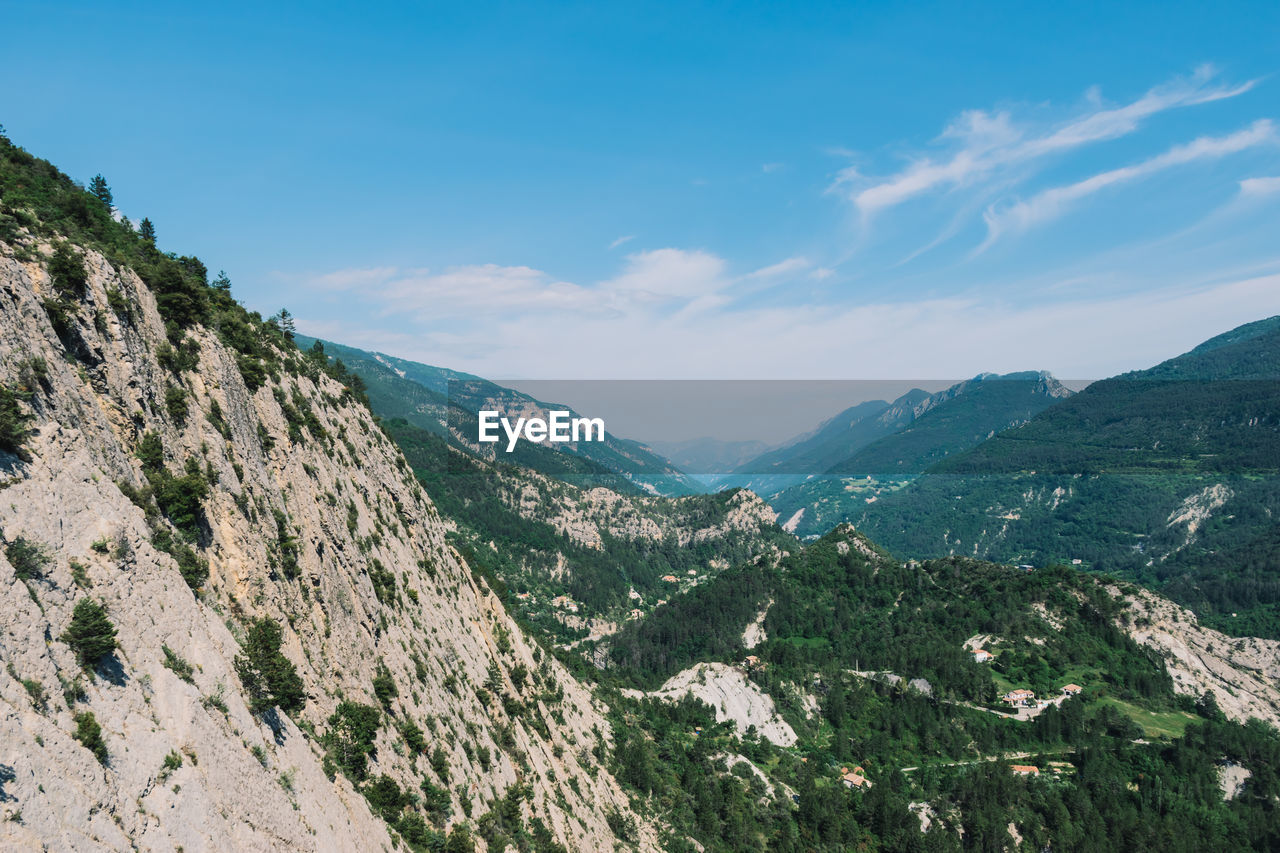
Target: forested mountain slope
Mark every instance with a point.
(580, 560)
(231, 618)
(943, 425)
(1168, 476)
(441, 400)
(872, 664)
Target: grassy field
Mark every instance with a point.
(1156, 724)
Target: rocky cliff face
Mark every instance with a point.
(1241, 672)
(311, 519)
(731, 695)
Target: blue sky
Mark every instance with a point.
(691, 190)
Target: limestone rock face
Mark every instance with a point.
(325, 531)
(733, 697)
(1241, 672)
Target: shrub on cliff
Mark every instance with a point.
(90, 635)
(270, 679)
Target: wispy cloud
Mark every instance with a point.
(478, 290)
(768, 168)
(984, 143)
(616, 243)
(349, 279)
(781, 268)
(650, 281)
(951, 336)
(1052, 203)
(1260, 186)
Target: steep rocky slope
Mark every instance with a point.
(311, 519)
(1241, 672)
(733, 697)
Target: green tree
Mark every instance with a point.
(386, 797)
(98, 186)
(27, 558)
(460, 840)
(384, 685)
(13, 422)
(90, 635)
(270, 679)
(147, 231)
(413, 738)
(89, 733)
(287, 325)
(66, 268)
(353, 727)
(440, 763)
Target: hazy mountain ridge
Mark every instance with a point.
(446, 401)
(921, 431)
(954, 420)
(834, 446)
(708, 455)
(1120, 476)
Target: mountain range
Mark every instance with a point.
(256, 595)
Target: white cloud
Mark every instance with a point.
(988, 143)
(821, 273)
(676, 325)
(351, 279)
(476, 290)
(616, 243)
(920, 341)
(661, 279)
(768, 168)
(1260, 186)
(1052, 203)
(781, 268)
(663, 274)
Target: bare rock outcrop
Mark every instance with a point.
(1241, 672)
(733, 697)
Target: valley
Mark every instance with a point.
(262, 591)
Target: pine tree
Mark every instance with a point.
(98, 186)
(13, 422)
(222, 282)
(66, 268)
(147, 231)
(269, 678)
(89, 733)
(286, 323)
(90, 635)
